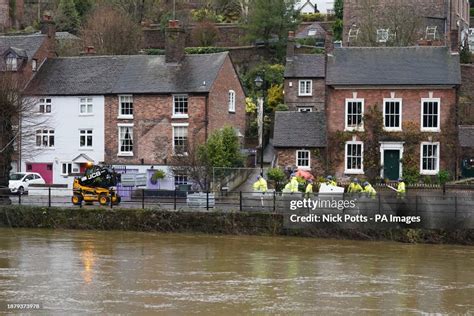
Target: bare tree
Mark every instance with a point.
(396, 24)
(111, 32)
(19, 120)
(193, 165)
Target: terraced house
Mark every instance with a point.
(137, 112)
(392, 110)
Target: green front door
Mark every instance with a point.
(391, 164)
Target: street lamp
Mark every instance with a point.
(259, 83)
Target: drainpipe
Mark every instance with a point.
(206, 119)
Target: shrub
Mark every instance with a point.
(443, 176)
(411, 174)
(157, 175)
(154, 51)
(281, 107)
(205, 34)
(204, 50)
(312, 17)
(277, 175)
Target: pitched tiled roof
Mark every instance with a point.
(466, 136)
(419, 65)
(126, 74)
(305, 66)
(300, 129)
(28, 43)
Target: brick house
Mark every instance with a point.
(154, 107)
(305, 86)
(444, 20)
(22, 56)
(413, 89)
(300, 140)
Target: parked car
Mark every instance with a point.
(20, 181)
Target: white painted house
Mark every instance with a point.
(310, 6)
(70, 136)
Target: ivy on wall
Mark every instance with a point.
(411, 135)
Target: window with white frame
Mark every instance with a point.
(180, 139)
(305, 87)
(125, 140)
(180, 179)
(382, 35)
(66, 168)
(392, 114)
(34, 64)
(85, 105)
(354, 114)
(44, 105)
(125, 106)
(305, 109)
(303, 158)
(85, 138)
(12, 63)
(354, 157)
(231, 101)
(430, 115)
(180, 105)
(429, 158)
(45, 138)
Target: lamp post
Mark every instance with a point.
(259, 83)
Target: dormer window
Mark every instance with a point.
(12, 64)
(34, 64)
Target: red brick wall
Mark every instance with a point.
(286, 157)
(152, 130)
(219, 115)
(411, 112)
(316, 100)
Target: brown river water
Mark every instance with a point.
(149, 273)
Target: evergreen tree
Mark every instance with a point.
(67, 18)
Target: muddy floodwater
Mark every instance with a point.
(146, 273)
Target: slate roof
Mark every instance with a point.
(300, 129)
(126, 74)
(466, 136)
(418, 65)
(28, 43)
(305, 66)
(316, 26)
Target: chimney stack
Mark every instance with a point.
(48, 27)
(329, 42)
(175, 41)
(454, 41)
(290, 46)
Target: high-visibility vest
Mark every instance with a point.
(354, 188)
(294, 185)
(309, 188)
(401, 187)
(260, 185)
(370, 190)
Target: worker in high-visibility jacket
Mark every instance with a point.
(401, 189)
(354, 186)
(294, 184)
(260, 185)
(331, 181)
(369, 190)
(308, 192)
